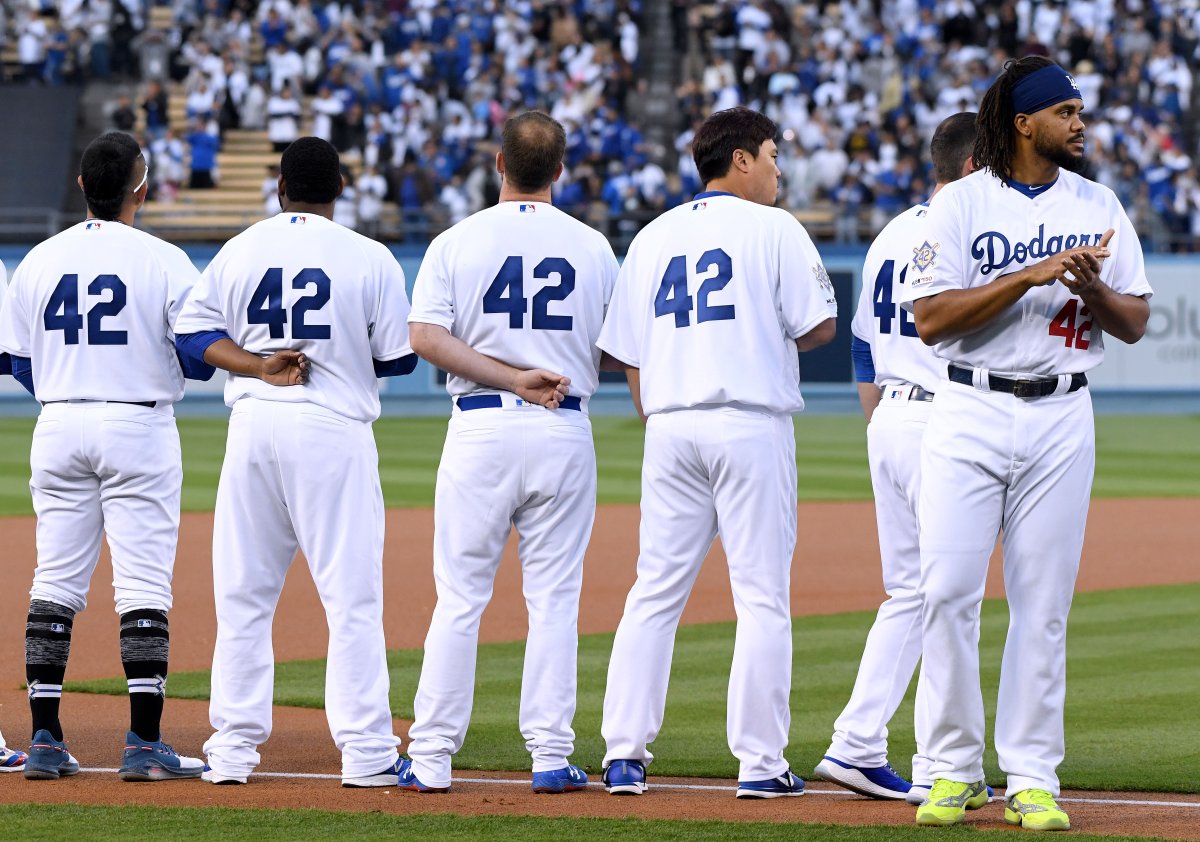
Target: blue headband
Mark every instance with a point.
(1043, 88)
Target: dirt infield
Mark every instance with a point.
(1130, 542)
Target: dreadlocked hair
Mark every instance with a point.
(996, 139)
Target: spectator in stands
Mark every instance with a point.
(270, 191)
(123, 118)
(283, 119)
(415, 192)
(204, 145)
(169, 152)
(345, 210)
(372, 189)
(31, 46)
(252, 111)
(156, 107)
(325, 107)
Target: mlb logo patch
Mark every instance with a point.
(92, 226)
(298, 220)
(528, 208)
(699, 205)
(58, 627)
(144, 624)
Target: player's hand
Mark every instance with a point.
(285, 368)
(1055, 267)
(542, 387)
(1081, 273)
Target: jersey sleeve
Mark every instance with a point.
(1125, 271)
(433, 297)
(201, 309)
(620, 335)
(389, 334)
(14, 319)
(937, 263)
(806, 296)
(861, 325)
(182, 277)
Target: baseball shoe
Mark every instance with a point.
(872, 781)
(785, 784)
(919, 792)
(48, 759)
(212, 776)
(12, 760)
(407, 779)
(949, 801)
(625, 777)
(156, 761)
(1034, 809)
(567, 779)
(388, 777)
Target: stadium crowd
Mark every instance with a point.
(415, 91)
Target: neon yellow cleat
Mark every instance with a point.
(1034, 809)
(949, 801)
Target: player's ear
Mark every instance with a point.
(79, 181)
(968, 165)
(1022, 124)
(500, 163)
(558, 171)
(281, 192)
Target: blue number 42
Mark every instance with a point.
(266, 304)
(506, 294)
(62, 310)
(885, 309)
(673, 298)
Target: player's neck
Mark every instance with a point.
(308, 207)
(510, 194)
(125, 217)
(727, 185)
(1028, 167)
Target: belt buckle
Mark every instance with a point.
(1027, 388)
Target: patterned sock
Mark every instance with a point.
(145, 646)
(47, 647)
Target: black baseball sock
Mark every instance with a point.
(145, 646)
(47, 646)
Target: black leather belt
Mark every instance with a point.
(1025, 387)
(147, 404)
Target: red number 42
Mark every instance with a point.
(1064, 325)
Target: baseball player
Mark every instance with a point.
(301, 470)
(711, 304)
(505, 291)
(897, 375)
(1023, 268)
(11, 759)
(87, 321)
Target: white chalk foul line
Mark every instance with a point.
(1194, 805)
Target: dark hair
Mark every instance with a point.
(951, 146)
(996, 143)
(726, 131)
(312, 171)
(533, 145)
(107, 170)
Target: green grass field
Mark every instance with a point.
(1138, 456)
(119, 824)
(1130, 696)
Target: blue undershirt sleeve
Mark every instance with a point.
(190, 348)
(397, 367)
(22, 370)
(864, 365)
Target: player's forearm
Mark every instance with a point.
(228, 355)
(634, 377)
(868, 397)
(958, 312)
(449, 353)
(1120, 315)
(820, 335)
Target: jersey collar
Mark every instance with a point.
(710, 193)
(1032, 191)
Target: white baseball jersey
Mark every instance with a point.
(718, 324)
(980, 229)
(477, 282)
(93, 307)
(897, 351)
(299, 281)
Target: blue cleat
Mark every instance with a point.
(625, 777)
(156, 761)
(12, 760)
(872, 781)
(408, 779)
(783, 785)
(567, 779)
(49, 759)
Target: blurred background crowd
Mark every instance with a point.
(414, 92)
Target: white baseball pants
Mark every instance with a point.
(893, 645)
(299, 476)
(535, 470)
(992, 461)
(101, 468)
(709, 471)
